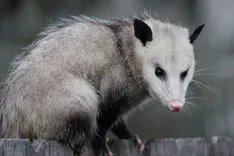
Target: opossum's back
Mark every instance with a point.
(81, 48)
(78, 49)
(41, 83)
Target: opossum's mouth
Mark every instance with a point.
(174, 105)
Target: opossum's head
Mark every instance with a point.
(167, 60)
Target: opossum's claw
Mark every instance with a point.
(101, 147)
(76, 150)
(139, 144)
(107, 151)
(109, 154)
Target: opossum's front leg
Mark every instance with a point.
(121, 131)
(101, 148)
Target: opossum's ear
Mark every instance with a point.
(195, 34)
(142, 31)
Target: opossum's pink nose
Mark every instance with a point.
(175, 106)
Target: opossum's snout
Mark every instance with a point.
(175, 105)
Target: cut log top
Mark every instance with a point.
(214, 146)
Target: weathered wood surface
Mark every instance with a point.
(214, 146)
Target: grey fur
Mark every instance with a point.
(69, 70)
(26, 78)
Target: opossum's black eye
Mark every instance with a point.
(183, 75)
(159, 72)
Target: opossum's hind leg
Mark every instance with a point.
(77, 132)
(76, 105)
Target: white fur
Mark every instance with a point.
(76, 59)
(170, 49)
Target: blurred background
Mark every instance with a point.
(210, 110)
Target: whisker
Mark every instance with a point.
(204, 69)
(198, 61)
(154, 109)
(198, 85)
(188, 59)
(203, 98)
(200, 70)
(190, 92)
(142, 86)
(190, 114)
(141, 75)
(160, 105)
(190, 103)
(159, 85)
(202, 84)
(136, 85)
(161, 90)
(206, 74)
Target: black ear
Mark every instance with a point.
(142, 31)
(195, 34)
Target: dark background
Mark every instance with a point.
(213, 109)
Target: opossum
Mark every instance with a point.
(84, 74)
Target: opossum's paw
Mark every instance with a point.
(77, 150)
(139, 144)
(107, 151)
(102, 148)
